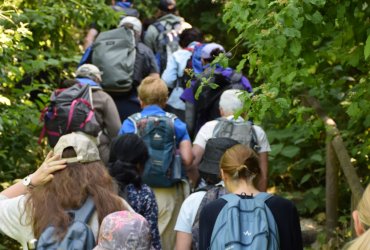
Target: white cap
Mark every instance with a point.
(136, 24)
(89, 70)
(84, 145)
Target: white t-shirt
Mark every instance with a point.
(15, 224)
(206, 131)
(188, 211)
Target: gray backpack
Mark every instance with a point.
(114, 53)
(241, 131)
(79, 235)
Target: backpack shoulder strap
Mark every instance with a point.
(84, 213)
(159, 26)
(171, 116)
(254, 142)
(263, 196)
(230, 197)
(134, 118)
(217, 191)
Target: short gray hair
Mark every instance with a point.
(230, 101)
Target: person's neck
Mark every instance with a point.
(242, 187)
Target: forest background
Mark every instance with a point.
(291, 50)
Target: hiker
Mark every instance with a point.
(128, 156)
(361, 219)
(124, 6)
(239, 166)
(205, 108)
(229, 104)
(169, 191)
(187, 224)
(70, 174)
(105, 109)
(124, 230)
(177, 72)
(162, 35)
(125, 62)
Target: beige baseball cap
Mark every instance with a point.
(84, 145)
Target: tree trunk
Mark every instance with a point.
(331, 190)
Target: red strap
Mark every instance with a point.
(88, 118)
(42, 134)
(189, 49)
(71, 111)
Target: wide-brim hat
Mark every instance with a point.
(213, 152)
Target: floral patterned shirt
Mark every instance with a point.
(143, 202)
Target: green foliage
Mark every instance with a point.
(289, 49)
(298, 48)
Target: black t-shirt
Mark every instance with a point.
(283, 210)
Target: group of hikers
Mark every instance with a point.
(153, 149)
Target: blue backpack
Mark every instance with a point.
(164, 168)
(196, 60)
(79, 235)
(245, 224)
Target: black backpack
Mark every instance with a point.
(79, 235)
(70, 110)
(207, 104)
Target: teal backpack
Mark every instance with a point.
(164, 168)
(245, 224)
(114, 53)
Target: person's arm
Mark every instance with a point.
(263, 179)
(169, 75)
(90, 37)
(183, 241)
(198, 153)
(112, 121)
(190, 117)
(193, 170)
(41, 176)
(186, 153)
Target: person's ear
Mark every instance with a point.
(141, 102)
(222, 175)
(222, 112)
(359, 228)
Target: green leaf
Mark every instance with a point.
(276, 149)
(305, 178)
(241, 65)
(295, 47)
(316, 18)
(367, 47)
(213, 85)
(317, 157)
(354, 110)
(290, 151)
